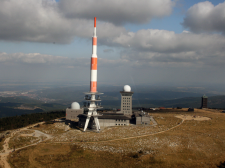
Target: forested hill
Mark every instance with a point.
(24, 120)
(12, 106)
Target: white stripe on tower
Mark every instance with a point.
(94, 61)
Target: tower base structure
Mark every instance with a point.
(92, 108)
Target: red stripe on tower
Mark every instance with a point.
(94, 41)
(94, 21)
(94, 62)
(93, 86)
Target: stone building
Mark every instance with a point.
(141, 118)
(126, 100)
(74, 111)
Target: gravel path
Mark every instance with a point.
(7, 151)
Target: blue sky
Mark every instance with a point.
(168, 41)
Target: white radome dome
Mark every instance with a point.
(127, 88)
(75, 106)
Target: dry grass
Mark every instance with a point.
(19, 141)
(26, 132)
(46, 156)
(118, 132)
(191, 144)
(56, 128)
(1, 143)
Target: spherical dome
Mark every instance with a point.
(127, 88)
(75, 106)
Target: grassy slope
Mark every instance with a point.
(192, 144)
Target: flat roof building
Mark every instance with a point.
(106, 120)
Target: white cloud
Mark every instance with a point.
(117, 11)
(205, 17)
(46, 20)
(59, 61)
(134, 66)
(161, 46)
(150, 50)
(33, 20)
(108, 50)
(39, 67)
(43, 21)
(37, 58)
(141, 48)
(169, 42)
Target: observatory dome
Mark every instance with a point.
(75, 106)
(127, 88)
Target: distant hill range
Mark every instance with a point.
(64, 96)
(195, 102)
(15, 106)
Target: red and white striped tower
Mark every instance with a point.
(94, 61)
(92, 109)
